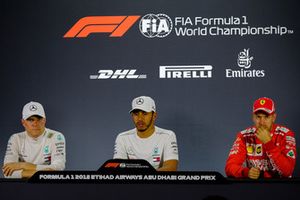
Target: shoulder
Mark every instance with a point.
(52, 134)
(18, 136)
(128, 133)
(248, 131)
(161, 131)
(282, 130)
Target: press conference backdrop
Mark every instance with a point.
(203, 62)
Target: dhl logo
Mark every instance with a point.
(116, 25)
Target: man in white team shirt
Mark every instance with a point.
(36, 148)
(156, 145)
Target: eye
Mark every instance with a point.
(135, 113)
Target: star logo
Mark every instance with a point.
(139, 101)
(33, 108)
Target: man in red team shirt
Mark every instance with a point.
(264, 150)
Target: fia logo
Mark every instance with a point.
(244, 60)
(159, 25)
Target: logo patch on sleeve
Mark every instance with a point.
(291, 154)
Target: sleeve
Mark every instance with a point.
(282, 155)
(58, 154)
(236, 159)
(119, 149)
(171, 148)
(12, 155)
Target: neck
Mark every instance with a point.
(147, 133)
(36, 135)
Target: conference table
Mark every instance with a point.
(136, 184)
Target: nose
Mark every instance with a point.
(34, 122)
(262, 122)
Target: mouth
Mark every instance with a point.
(140, 124)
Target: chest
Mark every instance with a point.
(35, 152)
(255, 148)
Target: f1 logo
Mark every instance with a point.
(116, 25)
(113, 165)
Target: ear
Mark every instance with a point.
(253, 117)
(274, 117)
(44, 121)
(154, 115)
(23, 122)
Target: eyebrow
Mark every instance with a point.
(33, 117)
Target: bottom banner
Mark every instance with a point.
(129, 177)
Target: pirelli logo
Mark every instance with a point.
(185, 71)
(117, 26)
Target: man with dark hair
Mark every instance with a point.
(265, 150)
(156, 145)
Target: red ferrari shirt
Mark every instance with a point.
(276, 158)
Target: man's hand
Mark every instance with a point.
(169, 165)
(9, 168)
(254, 173)
(263, 135)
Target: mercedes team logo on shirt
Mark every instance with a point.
(33, 108)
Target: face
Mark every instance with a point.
(264, 120)
(143, 120)
(34, 125)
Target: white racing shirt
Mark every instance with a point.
(46, 151)
(156, 149)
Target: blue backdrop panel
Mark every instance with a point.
(235, 52)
